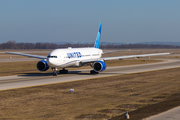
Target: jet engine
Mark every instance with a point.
(42, 65)
(99, 66)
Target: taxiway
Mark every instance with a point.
(172, 114)
(11, 82)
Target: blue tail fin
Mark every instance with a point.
(96, 45)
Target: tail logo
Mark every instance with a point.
(96, 45)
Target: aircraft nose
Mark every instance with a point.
(50, 62)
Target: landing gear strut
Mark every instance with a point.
(63, 71)
(93, 72)
(54, 71)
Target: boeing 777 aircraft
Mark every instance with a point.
(77, 57)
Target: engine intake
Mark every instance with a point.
(99, 66)
(42, 65)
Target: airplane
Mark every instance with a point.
(77, 57)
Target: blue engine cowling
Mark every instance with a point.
(99, 66)
(42, 65)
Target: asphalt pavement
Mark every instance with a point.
(173, 114)
(11, 82)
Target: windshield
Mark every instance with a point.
(52, 56)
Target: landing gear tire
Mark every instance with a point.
(54, 73)
(63, 71)
(93, 72)
(66, 71)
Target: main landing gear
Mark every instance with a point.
(93, 72)
(63, 71)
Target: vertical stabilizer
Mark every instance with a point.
(96, 45)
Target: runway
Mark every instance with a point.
(28, 80)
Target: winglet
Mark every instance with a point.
(97, 42)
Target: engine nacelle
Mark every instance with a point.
(99, 66)
(42, 65)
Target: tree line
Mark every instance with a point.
(14, 45)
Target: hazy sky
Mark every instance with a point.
(127, 21)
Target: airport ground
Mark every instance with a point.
(143, 94)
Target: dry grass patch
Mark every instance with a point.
(17, 68)
(100, 98)
(152, 109)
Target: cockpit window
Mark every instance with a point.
(52, 56)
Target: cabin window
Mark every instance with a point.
(95, 54)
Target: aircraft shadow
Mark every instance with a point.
(78, 73)
(69, 72)
(88, 73)
(36, 74)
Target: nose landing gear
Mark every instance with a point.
(54, 71)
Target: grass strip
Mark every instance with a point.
(153, 109)
(98, 98)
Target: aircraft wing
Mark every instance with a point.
(115, 51)
(28, 55)
(132, 56)
(121, 57)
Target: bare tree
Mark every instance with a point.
(14, 45)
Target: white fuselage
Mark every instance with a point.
(71, 57)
